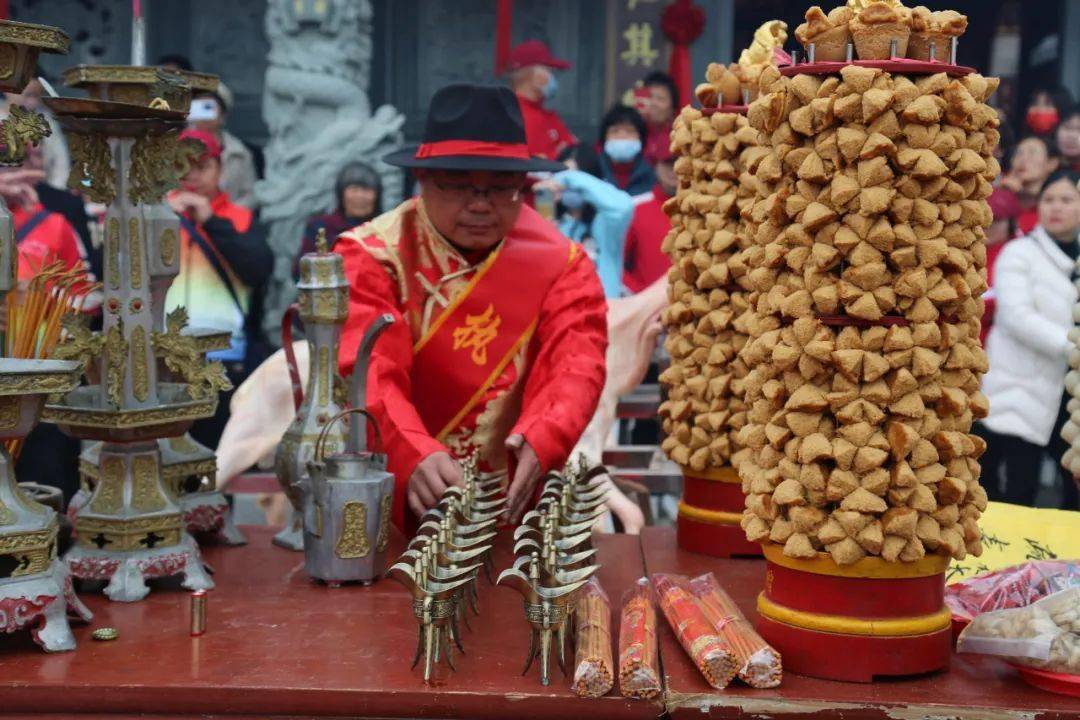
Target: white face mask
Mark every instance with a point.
(622, 149)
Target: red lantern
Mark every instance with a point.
(682, 23)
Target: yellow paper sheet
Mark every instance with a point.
(1013, 534)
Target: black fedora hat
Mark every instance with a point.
(473, 127)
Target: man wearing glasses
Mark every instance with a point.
(500, 333)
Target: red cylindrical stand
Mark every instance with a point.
(709, 514)
(855, 622)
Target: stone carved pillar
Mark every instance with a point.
(316, 106)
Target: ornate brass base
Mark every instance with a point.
(132, 526)
(127, 573)
(41, 603)
(188, 469)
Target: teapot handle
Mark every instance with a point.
(358, 399)
(320, 444)
(287, 321)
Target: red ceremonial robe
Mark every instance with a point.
(514, 344)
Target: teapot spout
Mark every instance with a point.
(357, 441)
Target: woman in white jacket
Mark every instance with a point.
(1028, 347)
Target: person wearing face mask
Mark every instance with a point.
(1068, 138)
(1045, 109)
(644, 261)
(532, 77)
(1028, 348)
(593, 213)
(622, 162)
(1014, 204)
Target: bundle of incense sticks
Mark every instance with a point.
(36, 312)
(758, 662)
(639, 663)
(593, 674)
(696, 634)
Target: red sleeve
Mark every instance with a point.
(567, 370)
(566, 138)
(372, 292)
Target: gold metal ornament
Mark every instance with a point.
(116, 354)
(182, 355)
(81, 344)
(91, 167)
(140, 374)
(353, 542)
(19, 130)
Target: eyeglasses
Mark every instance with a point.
(465, 192)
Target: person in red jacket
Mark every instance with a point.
(643, 260)
(224, 263)
(499, 335)
(531, 67)
(42, 236)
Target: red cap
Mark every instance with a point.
(213, 147)
(534, 52)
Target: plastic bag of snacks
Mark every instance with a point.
(593, 676)
(757, 662)
(639, 663)
(1011, 587)
(1043, 635)
(711, 654)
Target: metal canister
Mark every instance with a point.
(198, 613)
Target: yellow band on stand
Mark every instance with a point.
(724, 474)
(868, 567)
(713, 517)
(893, 627)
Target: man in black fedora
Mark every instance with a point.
(500, 333)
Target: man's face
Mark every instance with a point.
(203, 177)
(660, 108)
(473, 209)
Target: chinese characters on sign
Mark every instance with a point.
(636, 45)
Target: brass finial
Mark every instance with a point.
(321, 245)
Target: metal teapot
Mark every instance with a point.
(346, 497)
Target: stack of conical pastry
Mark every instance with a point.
(879, 30)
(706, 289)
(865, 273)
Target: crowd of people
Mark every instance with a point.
(609, 199)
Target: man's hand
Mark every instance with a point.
(431, 477)
(183, 202)
(525, 478)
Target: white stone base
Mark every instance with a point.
(41, 604)
(127, 572)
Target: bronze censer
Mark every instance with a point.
(127, 156)
(35, 589)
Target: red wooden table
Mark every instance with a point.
(280, 645)
(974, 686)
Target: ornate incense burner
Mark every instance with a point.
(345, 497)
(132, 527)
(323, 307)
(35, 589)
(187, 466)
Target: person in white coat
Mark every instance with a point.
(1028, 347)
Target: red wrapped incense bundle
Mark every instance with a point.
(758, 662)
(639, 665)
(696, 634)
(593, 676)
